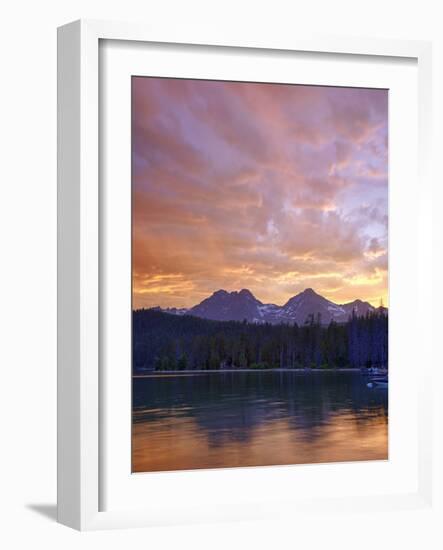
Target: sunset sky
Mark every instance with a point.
(274, 188)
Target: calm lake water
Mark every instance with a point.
(229, 419)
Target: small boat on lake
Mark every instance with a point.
(378, 382)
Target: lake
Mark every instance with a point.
(219, 419)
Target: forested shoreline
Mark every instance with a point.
(162, 342)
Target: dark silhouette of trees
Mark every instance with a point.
(163, 341)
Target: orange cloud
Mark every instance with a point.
(269, 187)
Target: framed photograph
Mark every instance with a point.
(242, 272)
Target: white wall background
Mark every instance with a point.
(28, 264)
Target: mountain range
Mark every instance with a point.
(243, 305)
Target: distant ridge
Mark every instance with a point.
(243, 305)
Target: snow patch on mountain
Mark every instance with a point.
(305, 307)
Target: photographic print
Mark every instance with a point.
(259, 274)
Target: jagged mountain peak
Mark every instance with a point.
(229, 306)
(355, 302)
(246, 292)
(242, 305)
(358, 307)
(309, 292)
(220, 292)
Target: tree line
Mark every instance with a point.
(162, 341)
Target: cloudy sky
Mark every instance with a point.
(270, 187)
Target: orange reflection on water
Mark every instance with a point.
(181, 444)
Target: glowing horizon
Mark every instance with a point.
(376, 304)
(270, 187)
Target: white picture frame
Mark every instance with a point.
(80, 394)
